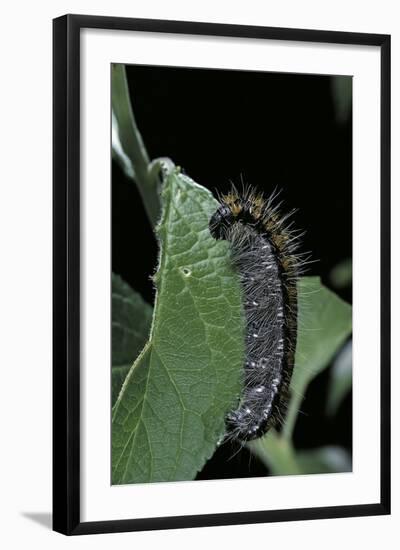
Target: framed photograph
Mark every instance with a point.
(221, 274)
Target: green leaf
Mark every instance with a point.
(128, 147)
(131, 320)
(341, 274)
(118, 375)
(342, 87)
(324, 323)
(341, 379)
(278, 454)
(170, 413)
(118, 152)
(324, 460)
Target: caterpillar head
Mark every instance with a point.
(220, 221)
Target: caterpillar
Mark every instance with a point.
(264, 253)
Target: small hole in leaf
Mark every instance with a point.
(186, 271)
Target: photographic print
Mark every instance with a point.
(231, 315)
(221, 261)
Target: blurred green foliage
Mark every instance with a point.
(341, 275)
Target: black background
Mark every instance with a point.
(271, 130)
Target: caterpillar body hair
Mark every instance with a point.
(264, 253)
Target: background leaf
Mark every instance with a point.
(342, 97)
(128, 147)
(170, 413)
(341, 379)
(324, 460)
(118, 152)
(276, 452)
(279, 455)
(324, 322)
(131, 320)
(341, 274)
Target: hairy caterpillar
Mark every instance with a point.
(263, 250)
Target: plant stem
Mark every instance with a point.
(132, 144)
(292, 413)
(276, 452)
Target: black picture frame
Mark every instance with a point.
(66, 273)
